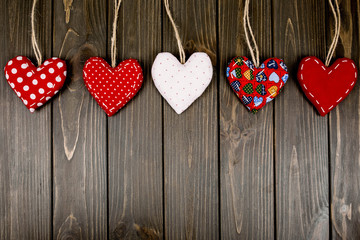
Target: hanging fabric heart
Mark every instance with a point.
(35, 86)
(255, 85)
(112, 86)
(181, 83)
(325, 86)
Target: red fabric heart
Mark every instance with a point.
(112, 88)
(326, 87)
(256, 86)
(35, 86)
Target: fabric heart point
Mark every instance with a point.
(256, 87)
(35, 86)
(112, 88)
(181, 84)
(326, 87)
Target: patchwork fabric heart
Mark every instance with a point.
(112, 88)
(326, 87)
(35, 86)
(181, 84)
(255, 87)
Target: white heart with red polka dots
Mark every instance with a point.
(181, 84)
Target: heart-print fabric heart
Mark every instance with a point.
(181, 84)
(35, 86)
(112, 88)
(255, 87)
(326, 87)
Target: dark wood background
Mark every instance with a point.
(214, 172)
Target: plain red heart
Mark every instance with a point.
(256, 86)
(326, 87)
(35, 86)
(112, 88)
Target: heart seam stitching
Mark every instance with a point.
(312, 96)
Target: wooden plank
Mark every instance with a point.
(79, 125)
(302, 189)
(135, 133)
(246, 139)
(190, 139)
(25, 149)
(345, 134)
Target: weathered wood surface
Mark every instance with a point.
(301, 134)
(25, 149)
(190, 139)
(214, 172)
(79, 126)
(344, 130)
(246, 139)
(135, 133)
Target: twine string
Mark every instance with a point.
(337, 17)
(117, 4)
(178, 39)
(34, 43)
(247, 28)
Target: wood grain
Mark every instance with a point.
(79, 125)
(135, 132)
(25, 149)
(302, 189)
(190, 139)
(214, 172)
(246, 139)
(344, 136)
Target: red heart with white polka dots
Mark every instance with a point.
(112, 88)
(35, 86)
